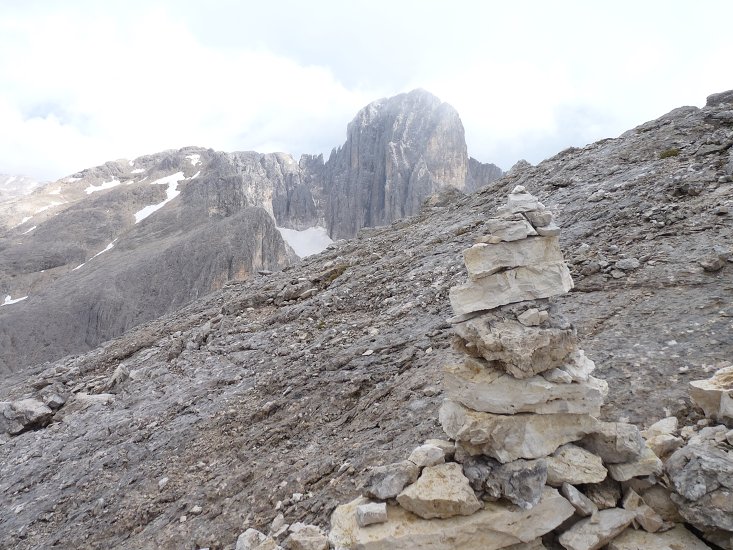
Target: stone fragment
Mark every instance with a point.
(539, 218)
(508, 438)
(550, 230)
(371, 512)
(578, 366)
(574, 465)
(521, 201)
(531, 317)
(646, 517)
(665, 426)
(702, 476)
(486, 259)
(252, 539)
(482, 387)
(557, 376)
(497, 526)
(615, 442)
(24, 414)
(306, 537)
(677, 538)
(595, 532)
(664, 445)
(708, 394)
(605, 494)
(627, 264)
(427, 455)
(521, 481)
(510, 286)
(388, 481)
(54, 401)
(521, 351)
(584, 507)
(510, 228)
(712, 263)
(448, 447)
(441, 491)
(658, 499)
(647, 464)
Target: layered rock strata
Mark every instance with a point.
(521, 414)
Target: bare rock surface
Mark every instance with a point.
(218, 389)
(677, 538)
(593, 533)
(441, 491)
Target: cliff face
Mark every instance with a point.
(398, 151)
(480, 174)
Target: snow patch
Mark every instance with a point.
(110, 246)
(31, 229)
(131, 162)
(25, 220)
(171, 193)
(9, 300)
(102, 186)
(43, 209)
(196, 175)
(307, 242)
(137, 171)
(194, 158)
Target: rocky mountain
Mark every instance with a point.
(90, 256)
(275, 395)
(16, 186)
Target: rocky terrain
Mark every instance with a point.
(90, 256)
(276, 395)
(16, 186)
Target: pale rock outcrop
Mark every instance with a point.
(495, 526)
(442, 491)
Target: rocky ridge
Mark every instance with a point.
(192, 415)
(191, 207)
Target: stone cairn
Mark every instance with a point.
(528, 462)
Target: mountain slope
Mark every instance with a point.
(274, 394)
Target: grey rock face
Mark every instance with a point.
(480, 174)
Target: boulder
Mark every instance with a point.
(441, 491)
(712, 395)
(508, 438)
(615, 442)
(605, 494)
(24, 414)
(593, 533)
(574, 465)
(388, 481)
(702, 476)
(482, 387)
(497, 526)
(510, 286)
(677, 538)
(485, 259)
(519, 350)
(665, 426)
(658, 498)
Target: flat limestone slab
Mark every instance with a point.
(484, 259)
(678, 538)
(574, 465)
(592, 534)
(510, 286)
(647, 464)
(508, 438)
(486, 389)
(497, 526)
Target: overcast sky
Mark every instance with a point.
(82, 82)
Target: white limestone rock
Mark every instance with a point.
(532, 317)
(521, 351)
(252, 539)
(498, 525)
(508, 438)
(481, 387)
(615, 442)
(485, 259)
(510, 286)
(448, 447)
(677, 538)
(510, 228)
(647, 464)
(578, 366)
(370, 513)
(306, 537)
(665, 426)
(593, 533)
(584, 506)
(714, 394)
(427, 455)
(441, 491)
(521, 201)
(574, 465)
(16, 416)
(388, 481)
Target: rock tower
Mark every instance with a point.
(527, 460)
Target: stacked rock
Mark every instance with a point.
(521, 412)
